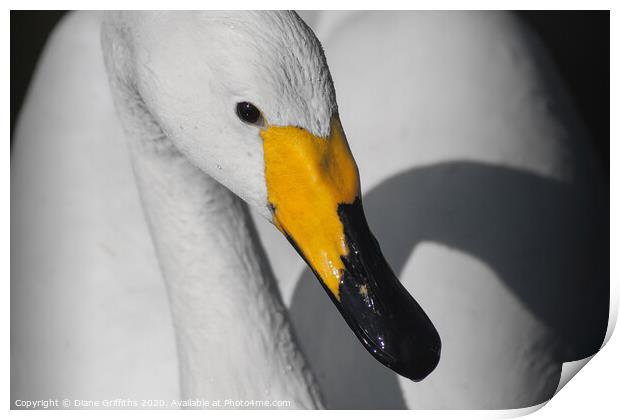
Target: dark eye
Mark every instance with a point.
(248, 113)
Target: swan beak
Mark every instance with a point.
(313, 190)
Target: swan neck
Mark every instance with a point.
(233, 334)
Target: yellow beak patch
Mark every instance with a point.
(307, 178)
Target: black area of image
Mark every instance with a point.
(29, 33)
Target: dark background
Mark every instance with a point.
(578, 41)
(29, 31)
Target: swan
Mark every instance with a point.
(444, 132)
(245, 112)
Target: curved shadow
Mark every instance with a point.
(545, 239)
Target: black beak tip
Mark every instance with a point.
(380, 311)
(413, 356)
(393, 328)
(419, 363)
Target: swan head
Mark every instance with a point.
(247, 97)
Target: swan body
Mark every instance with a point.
(114, 292)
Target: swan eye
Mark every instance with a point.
(248, 113)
